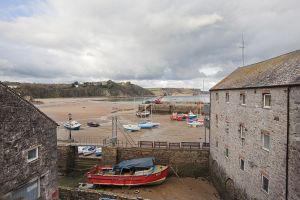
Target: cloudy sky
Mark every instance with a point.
(154, 43)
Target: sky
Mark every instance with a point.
(152, 43)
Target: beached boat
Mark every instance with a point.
(131, 127)
(89, 150)
(148, 125)
(133, 172)
(195, 123)
(98, 151)
(178, 117)
(73, 125)
(191, 115)
(143, 114)
(93, 124)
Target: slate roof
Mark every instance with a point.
(283, 70)
(28, 103)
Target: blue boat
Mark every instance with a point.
(148, 125)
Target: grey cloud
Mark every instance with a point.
(167, 42)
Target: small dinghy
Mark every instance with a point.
(89, 150)
(191, 115)
(98, 151)
(73, 125)
(148, 125)
(133, 172)
(93, 124)
(195, 123)
(131, 127)
(143, 114)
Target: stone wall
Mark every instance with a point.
(66, 158)
(168, 108)
(22, 127)
(66, 193)
(225, 123)
(185, 162)
(294, 150)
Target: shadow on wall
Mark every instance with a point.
(224, 184)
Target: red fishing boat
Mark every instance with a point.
(129, 173)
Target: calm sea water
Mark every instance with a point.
(203, 97)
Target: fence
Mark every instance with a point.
(172, 145)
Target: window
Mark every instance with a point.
(267, 100)
(32, 154)
(243, 99)
(217, 143)
(266, 141)
(227, 127)
(217, 96)
(242, 131)
(227, 97)
(242, 164)
(265, 183)
(226, 152)
(217, 120)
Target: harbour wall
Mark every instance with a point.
(168, 108)
(182, 162)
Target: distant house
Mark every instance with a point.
(28, 150)
(255, 130)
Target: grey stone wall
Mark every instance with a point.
(294, 150)
(66, 158)
(66, 193)
(21, 128)
(225, 120)
(186, 163)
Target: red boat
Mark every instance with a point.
(129, 173)
(178, 117)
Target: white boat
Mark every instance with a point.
(88, 151)
(131, 127)
(195, 123)
(98, 151)
(81, 148)
(73, 125)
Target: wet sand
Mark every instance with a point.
(95, 109)
(92, 109)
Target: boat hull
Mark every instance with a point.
(131, 180)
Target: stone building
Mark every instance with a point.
(28, 150)
(255, 131)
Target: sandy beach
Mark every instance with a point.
(101, 110)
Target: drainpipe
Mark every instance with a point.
(287, 145)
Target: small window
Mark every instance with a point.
(217, 120)
(243, 99)
(266, 141)
(217, 143)
(242, 131)
(227, 97)
(217, 96)
(242, 164)
(227, 127)
(226, 152)
(32, 154)
(267, 100)
(265, 184)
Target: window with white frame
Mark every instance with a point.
(266, 141)
(243, 98)
(265, 183)
(227, 97)
(267, 100)
(242, 164)
(32, 154)
(242, 131)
